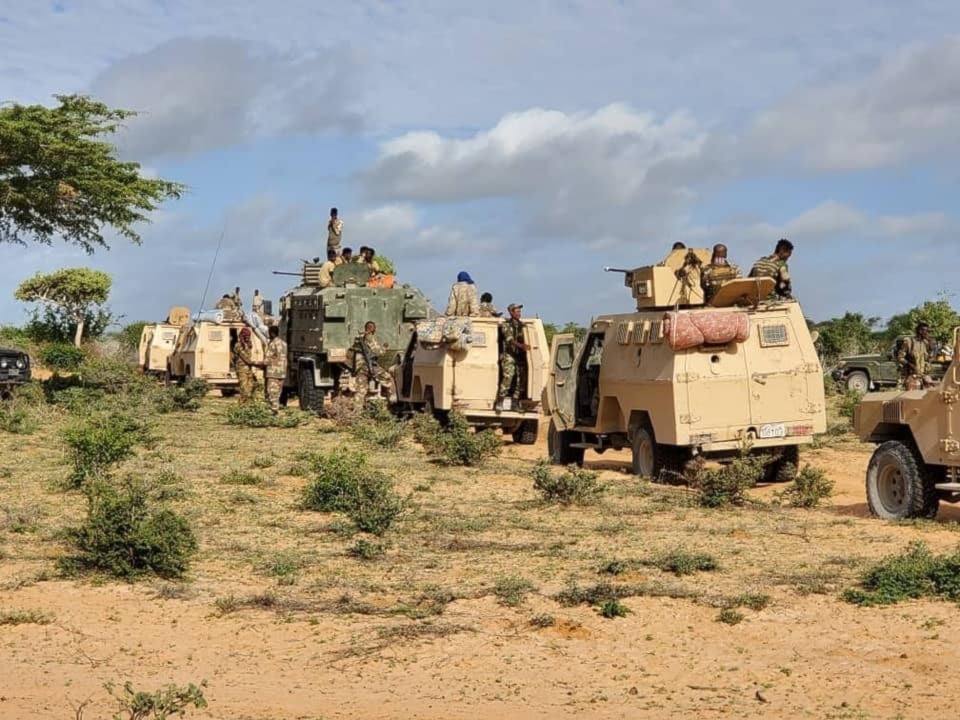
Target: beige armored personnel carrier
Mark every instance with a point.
(158, 340)
(204, 350)
(453, 363)
(679, 377)
(917, 460)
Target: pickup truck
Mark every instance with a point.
(14, 370)
(879, 370)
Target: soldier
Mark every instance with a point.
(511, 335)
(368, 254)
(258, 304)
(913, 359)
(236, 297)
(228, 306)
(678, 246)
(326, 270)
(487, 308)
(345, 257)
(275, 368)
(463, 300)
(367, 350)
(243, 364)
(359, 257)
(717, 272)
(775, 266)
(334, 231)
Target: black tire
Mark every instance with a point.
(784, 468)
(526, 434)
(899, 484)
(309, 395)
(558, 447)
(858, 381)
(660, 463)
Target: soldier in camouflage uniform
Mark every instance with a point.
(243, 364)
(362, 370)
(511, 336)
(913, 359)
(717, 272)
(775, 266)
(487, 308)
(275, 367)
(463, 300)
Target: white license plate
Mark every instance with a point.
(773, 430)
(13, 372)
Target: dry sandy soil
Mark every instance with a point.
(282, 622)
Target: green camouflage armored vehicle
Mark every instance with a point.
(320, 325)
(879, 370)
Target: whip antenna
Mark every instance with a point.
(212, 266)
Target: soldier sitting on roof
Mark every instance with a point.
(717, 272)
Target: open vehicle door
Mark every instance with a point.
(560, 390)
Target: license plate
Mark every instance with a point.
(773, 430)
(13, 372)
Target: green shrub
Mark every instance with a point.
(511, 590)
(16, 419)
(679, 562)
(113, 376)
(364, 549)
(457, 444)
(343, 482)
(727, 485)
(239, 477)
(99, 442)
(914, 573)
(730, 616)
(847, 402)
(165, 703)
(809, 487)
(574, 486)
(124, 536)
(613, 609)
(129, 335)
(61, 356)
(184, 398)
(258, 414)
(378, 427)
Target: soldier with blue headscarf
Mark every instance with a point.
(463, 300)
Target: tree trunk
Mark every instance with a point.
(79, 334)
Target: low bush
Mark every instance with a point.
(377, 426)
(727, 485)
(17, 419)
(809, 487)
(258, 414)
(574, 486)
(61, 356)
(511, 590)
(99, 442)
(183, 398)
(914, 573)
(457, 444)
(125, 536)
(847, 402)
(161, 704)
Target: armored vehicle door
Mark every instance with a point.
(560, 390)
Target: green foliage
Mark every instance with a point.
(52, 325)
(511, 590)
(124, 536)
(129, 335)
(99, 442)
(165, 703)
(851, 334)
(386, 265)
(809, 487)
(239, 477)
(113, 375)
(61, 356)
(343, 482)
(574, 486)
(847, 402)
(24, 617)
(914, 573)
(60, 179)
(680, 562)
(938, 314)
(727, 485)
(457, 444)
(364, 549)
(730, 616)
(13, 337)
(186, 397)
(16, 419)
(71, 294)
(578, 331)
(613, 609)
(378, 427)
(258, 414)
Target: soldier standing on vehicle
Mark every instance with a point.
(775, 266)
(463, 300)
(326, 270)
(334, 231)
(913, 359)
(258, 304)
(275, 368)
(512, 355)
(487, 308)
(717, 272)
(243, 364)
(367, 351)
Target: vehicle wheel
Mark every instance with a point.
(558, 447)
(308, 394)
(784, 468)
(526, 434)
(442, 416)
(899, 484)
(228, 392)
(858, 381)
(660, 463)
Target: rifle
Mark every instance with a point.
(281, 272)
(366, 356)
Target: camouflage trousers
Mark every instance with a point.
(245, 384)
(362, 380)
(917, 382)
(272, 389)
(508, 374)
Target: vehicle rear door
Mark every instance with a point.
(560, 391)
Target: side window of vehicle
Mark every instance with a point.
(565, 356)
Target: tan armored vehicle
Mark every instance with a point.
(157, 341)
(917, 461)
(203, 350)
(679, 377)
(454, 363)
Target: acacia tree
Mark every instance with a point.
(59, 179)
(938, 314)
(71, 293)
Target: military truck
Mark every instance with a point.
(320, 325)
(874, 371)
(917, 460)
(158, 340)
(204, 350)
(453, 363)
(680, 377)
(14, 370)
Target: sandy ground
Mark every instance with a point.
(807, 654)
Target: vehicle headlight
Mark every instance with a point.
(21, 364)
(3, 364)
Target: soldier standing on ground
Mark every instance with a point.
(913, 359)
(463, 300)
(775, 266)
(367, 347)
(275, 368)
(243, 364)
(717, 272)
(334, 231)
(487, 308)
(511, 335)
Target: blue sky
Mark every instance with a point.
(530, 144)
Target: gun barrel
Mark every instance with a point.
(281, 272)
(613, 269)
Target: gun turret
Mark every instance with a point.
(627, 275)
